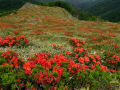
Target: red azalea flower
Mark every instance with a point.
(80, 50)
(54, 45)
(81, 60)
(68, 53)
(55, 88)
(104, 68)
(83, 42)
(27, 66)
(29, 72)
(33, 88)
(5, 64)
(20, 84)
(76, 55)
(77, 44)
(18, 80)
(112, 71)
(86, 59)
(116, 46)
(97, 57)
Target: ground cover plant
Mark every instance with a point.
(11, 41)
(72, 70)
(58, 52)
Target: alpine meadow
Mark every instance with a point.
(59, 45)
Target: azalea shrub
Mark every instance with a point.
(13, 41)
(9, 67)
(12, 59)
(112, 61)
(69, 71)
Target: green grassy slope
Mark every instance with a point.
(47, 25)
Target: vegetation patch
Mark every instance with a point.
(57, 51)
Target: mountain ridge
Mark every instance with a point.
(109, 10)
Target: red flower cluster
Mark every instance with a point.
(46, 63)
(79, 50)
(68, 53)
(47, 70)
(44, 78)
(12, 59)
(76, 43)
(78, 47)
(83, 59)
(116, 46)
(56, 46)
(89, 60)
(55, 64)
(74, 68)
(114, 59)
(11, 41)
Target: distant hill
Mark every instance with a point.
(106, 9)
(109, 10)
(77, 3)
(84, 4)
(11, 4)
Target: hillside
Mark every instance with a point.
(109, 10)
(11, 6)
(54, 19)
(57, 51)
(45, 20)
(106, 9)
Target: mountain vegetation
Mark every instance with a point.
(84, 4)
(45, 48)
(10, 6)
(13, 5)
(79, 13)
(77, 3)
(108, 10)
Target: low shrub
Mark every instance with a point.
(13, 41)
(70, 71)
